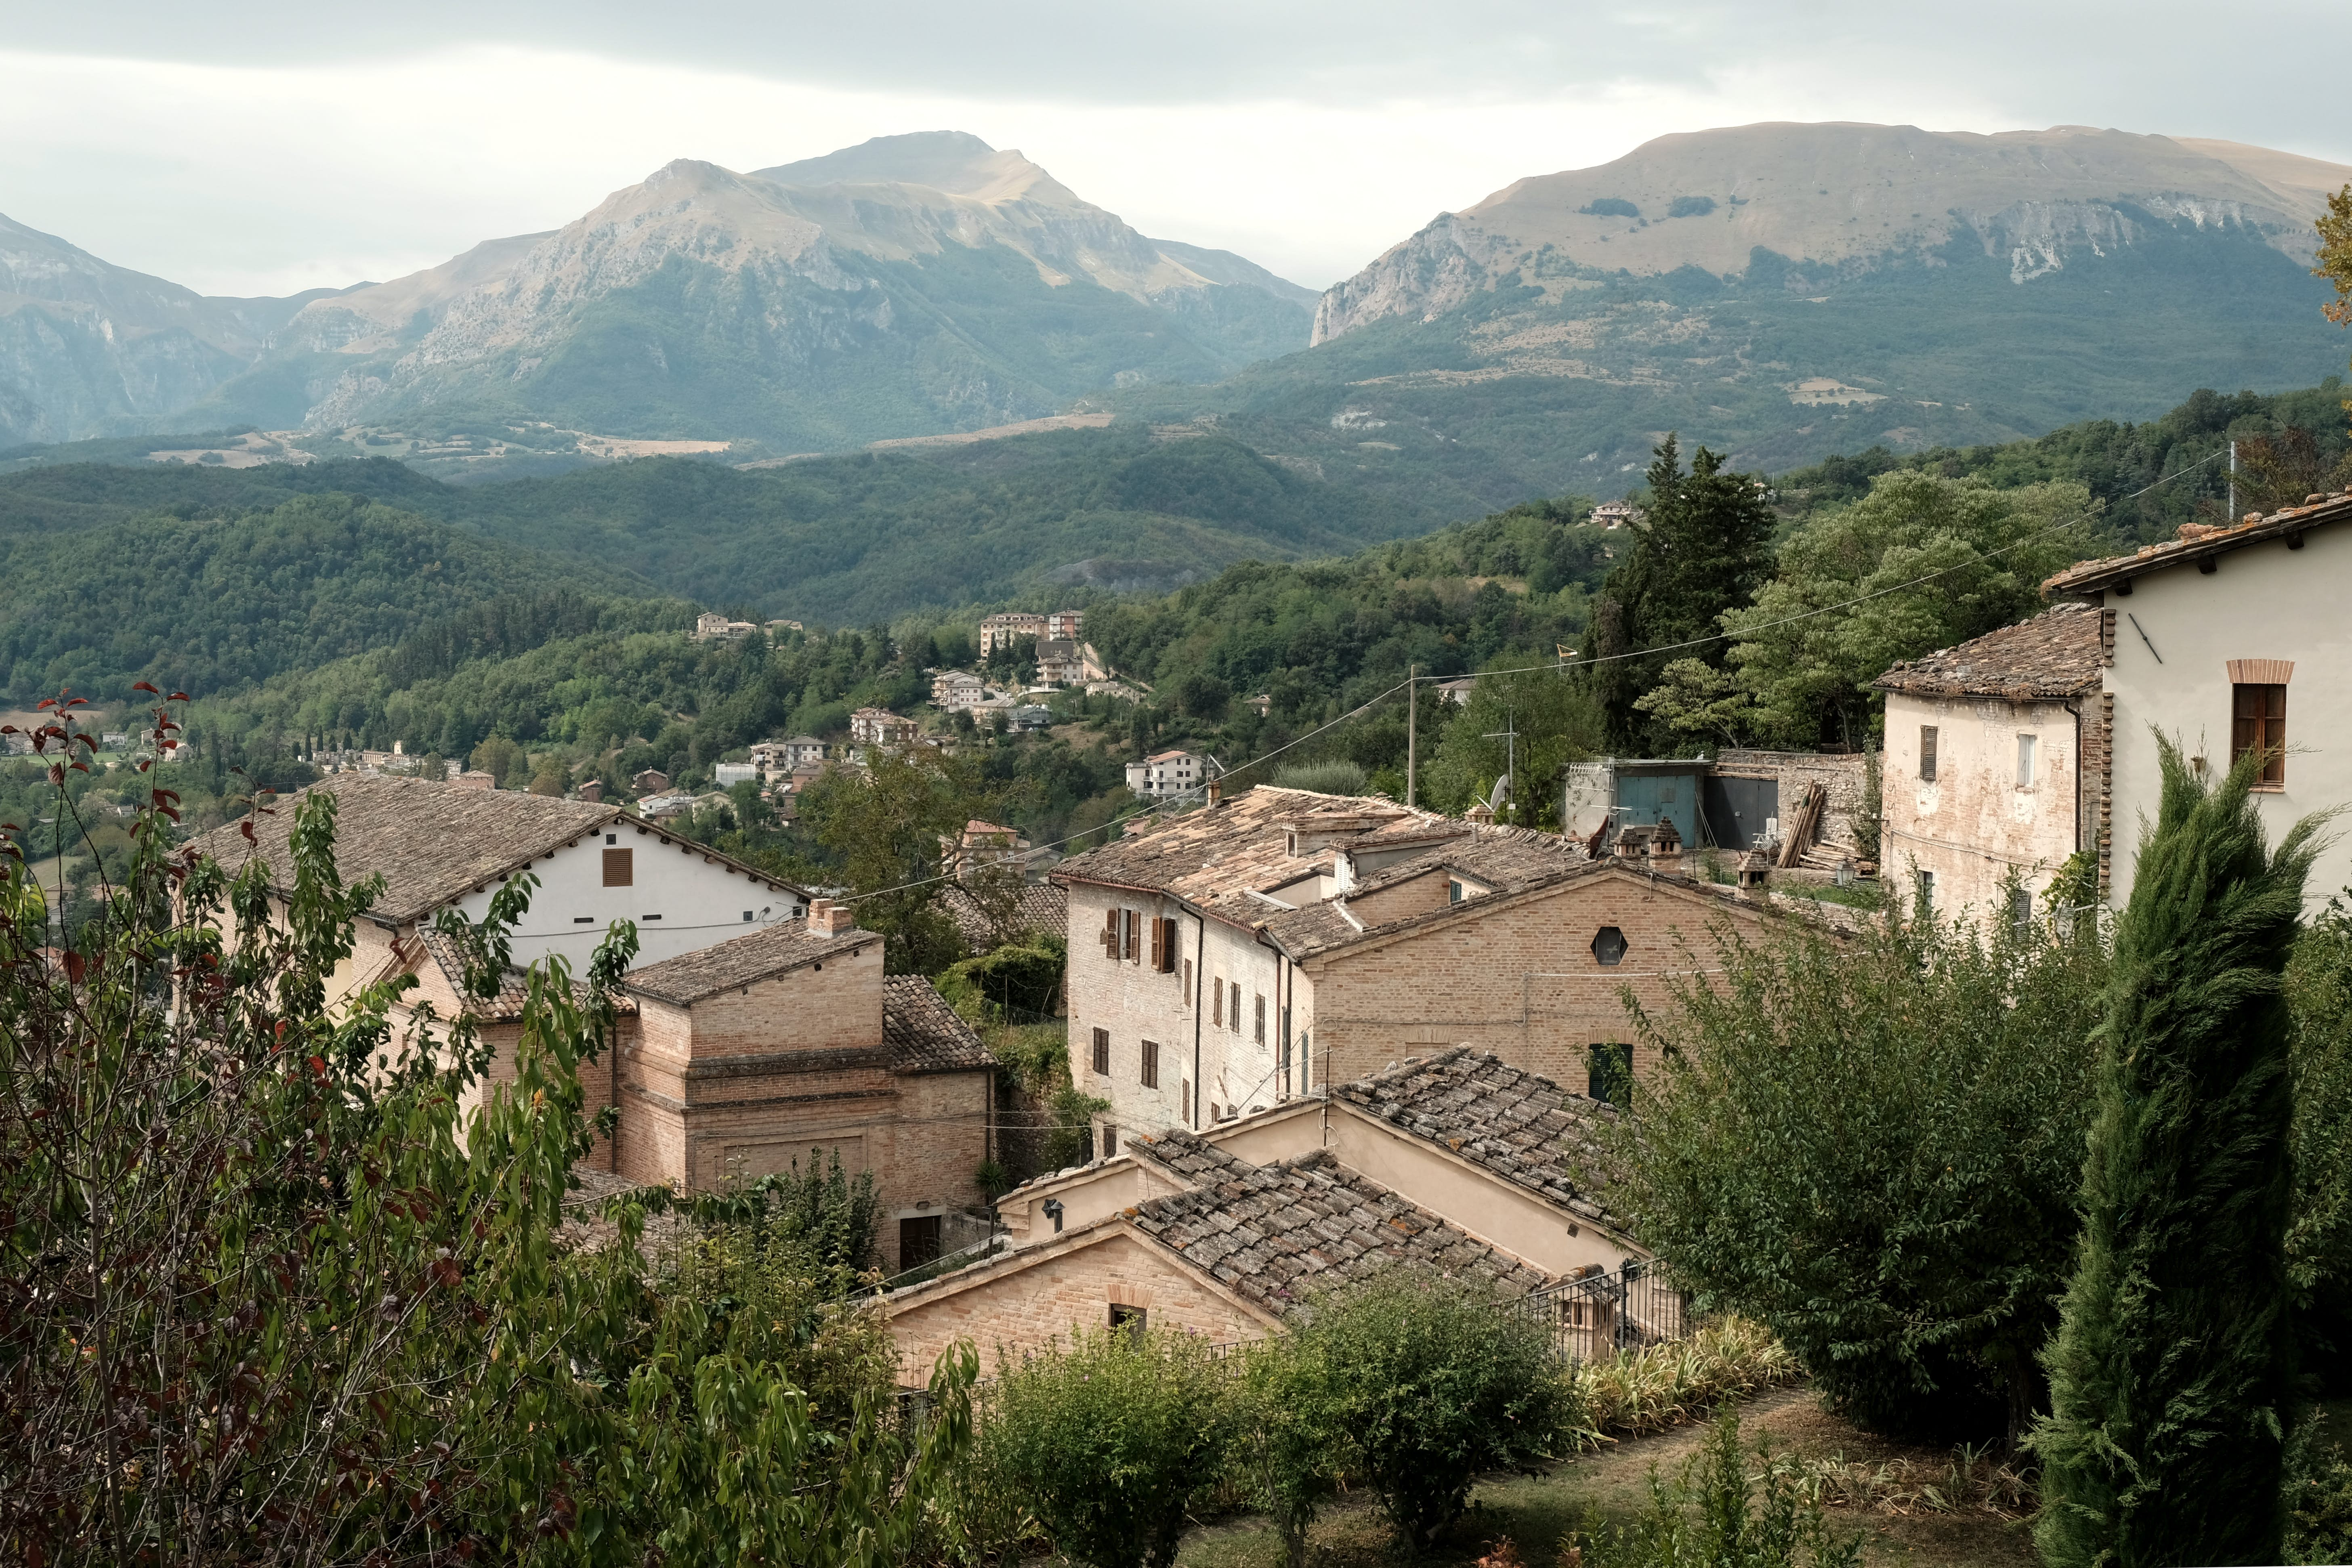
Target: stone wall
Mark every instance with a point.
(1842, 773)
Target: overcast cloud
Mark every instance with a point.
(263, 148)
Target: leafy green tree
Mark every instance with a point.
(1432, 1386)
(272, 1298)
(2334, 259)
(499, 757)
(1872, 1144)
(1703, 548)
(1556, 722)
(1295, 1442)
(1112, 1436)
(2172, 1371)
(891, 827)
(1797, 679)
(2319, 1239)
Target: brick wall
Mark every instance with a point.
(1518, 978)
(1022, 1305)
(1420, 895)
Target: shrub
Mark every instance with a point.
(1338, 777)
(1658, 1387)
(1716, 1515)
(2319, 1239)
(1296, 1426)
(1430, 1386)
(1111, 1436)
(1872, 1146)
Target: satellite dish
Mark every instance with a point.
(1501, 792)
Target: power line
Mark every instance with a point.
(1410, 681)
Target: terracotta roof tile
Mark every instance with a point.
(2055, 654)
(514, 986)
(1036, 907)
(690, 977)
(2093, 576)
(1277, 1234)
(1525, 1129)
(923, 1033)
(433, 843)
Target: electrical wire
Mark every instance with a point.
(1361, 708)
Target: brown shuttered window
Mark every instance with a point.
(1234, 1013)
(1926, 753)
(1110, 933)
(1159, 942)
(1131, 923)
(1217, 1003)
(1260, 997)
(1102, 1052)
(1151, 1064)
(2258, 723)
(620, 868)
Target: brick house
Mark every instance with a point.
(1995, 756)
(1225, 1251)
(2204, 639)
(789, 1044)
(1461, 1134)
(648, 780)
(1237, 957)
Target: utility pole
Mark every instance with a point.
(1412, 719)
(2232, 516)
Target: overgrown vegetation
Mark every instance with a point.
(1717, 1512)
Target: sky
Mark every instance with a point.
(244, 148)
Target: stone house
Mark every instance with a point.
(1237, 957)
(648, 780)
(1460, 1133)
(2228, 640)
(1995, 756)
(710, 626)
(789, 1044)
(1229, 1247)
(1616, 514)
(880, 727)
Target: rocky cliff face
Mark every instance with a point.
(1838, 197)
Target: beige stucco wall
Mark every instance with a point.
(1009, 1308)
(2265, 601)
(1972, 827)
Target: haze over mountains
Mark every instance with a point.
(1778, 291)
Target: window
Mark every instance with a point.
(2025, 761)
(1926, 753)
(1925, 894)
(1187, 995)
(1131, 923)
(1110, 1141)
(1453, 892)
(1133, 1320)
(1163, 945)
(1608, 946)
(620, 868)
(1234, 1013)
(1217, 1003)
(1102, 1052)
(1187, 1102)
(1261, 1017)
(1110, 933)
(747, 917)
(2258, 723)
(2021, 909)
(919, 1240)
(1608, 1073)
(612, 838)
(1151, 1064)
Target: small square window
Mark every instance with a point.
(1608, 946)
(747, 917)
(1134, 1320)
(612, 838)
(1608, 1073)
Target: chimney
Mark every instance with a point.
(1216, 791)
(826, 918)
(1753, 869)
(1666, 849)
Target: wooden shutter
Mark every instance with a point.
(1159, 942)
(1926, 753)
(1151, 1064)
(1261, 1017)
(1110, 933)
(1131, 923)
(1102, 1052)
(1217, 1003)
(620, 868)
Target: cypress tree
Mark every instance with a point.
(2171, 1368)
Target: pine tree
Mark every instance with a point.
(1704, 546)
(2170, 1372)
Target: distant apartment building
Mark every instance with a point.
(1004, 629)
(1172, 773)
(779, 757)
(726, 775)
(1067, 663)
(711, 627)
(955, 689)
(1065, 624)
(880, 727)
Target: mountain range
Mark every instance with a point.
(909, 286)
(1777, 291)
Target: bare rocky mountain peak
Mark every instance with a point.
(1834, 194)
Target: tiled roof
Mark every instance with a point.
(2198, 544)
(1276, 1234)
(923, 1033)
(1035, 907)
(1502, 859)
(1216, 857)
(514, 986)
(2055, 654)
(1523, 1128)
(433, 843)
(771, 949)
